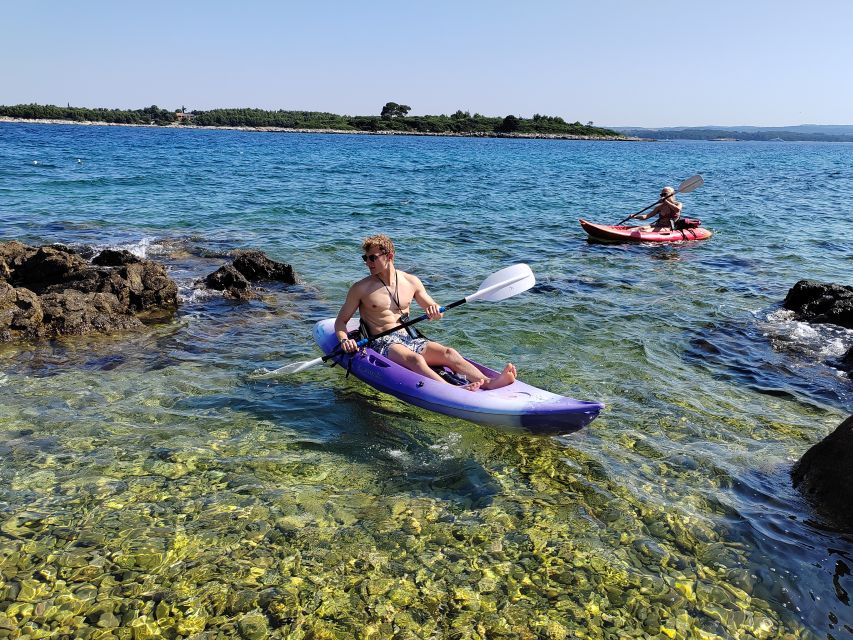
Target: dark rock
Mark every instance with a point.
(20, 310)
(249, 266)
(12, 255)
(231, 281)
(821, 302)
(76, 313)
(113, 258)
(255, 266)
(46, 267)
(51, 291)
(824, 475)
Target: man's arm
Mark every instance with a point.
(347, 311)
(424, 299)
(651, 213)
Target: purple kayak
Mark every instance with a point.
(516, 406)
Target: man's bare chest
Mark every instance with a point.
(394, 298)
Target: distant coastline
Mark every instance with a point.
(800, 133)
(393, 119)
(451, 134)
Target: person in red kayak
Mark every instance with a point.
(382, 300)
(668, 211)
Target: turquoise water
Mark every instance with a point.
(148, 482)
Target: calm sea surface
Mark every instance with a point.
(147, 482)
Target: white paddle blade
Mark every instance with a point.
(504, 284)
(296, 367)
(690, 184)
(288, 369)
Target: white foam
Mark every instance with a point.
(139, 249)
(803, 331)
(399, 454)
(192, 294)
(834, 348)
(824, 341)
(447, 445)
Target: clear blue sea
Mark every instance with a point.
(148, 476)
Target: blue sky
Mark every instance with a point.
(619, 63)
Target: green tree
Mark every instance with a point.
(509, 124)
(394, 110)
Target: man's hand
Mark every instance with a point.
(349, 345)
(433, 313)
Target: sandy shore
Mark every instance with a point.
(534, 136)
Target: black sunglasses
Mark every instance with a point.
(373, 256)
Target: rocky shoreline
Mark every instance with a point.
(54, 290)
(824, 475)
(447, 134)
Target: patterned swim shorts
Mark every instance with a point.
(381, 345)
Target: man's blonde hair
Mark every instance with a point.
(380, 241)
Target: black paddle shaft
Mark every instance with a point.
(402, 325)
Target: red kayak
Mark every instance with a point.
(611, 233)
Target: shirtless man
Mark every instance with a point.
(668, 212)
(382, 298)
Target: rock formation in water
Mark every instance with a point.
(814, 301)
(824, 475)
(248, 266)
(821, 302)
(50, 291)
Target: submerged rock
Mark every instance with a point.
(51, 291)
(821, 302)
(824, 475)
(248, 266)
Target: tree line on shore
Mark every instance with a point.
(393, 119)
(148, 115)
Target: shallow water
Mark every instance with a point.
(148, 482)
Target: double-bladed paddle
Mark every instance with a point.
(500, 285)
(692, 183)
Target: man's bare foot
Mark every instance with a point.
(473, 386)
(506, 378)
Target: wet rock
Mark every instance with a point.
(231, 281)
(114, 258)
(51, 291)
(20, 311)
(12, 255)
(824, 475)
(47, 266)
(821, 302)
(254, 626)
(256, 266)
(248, 266)
(242, 601)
